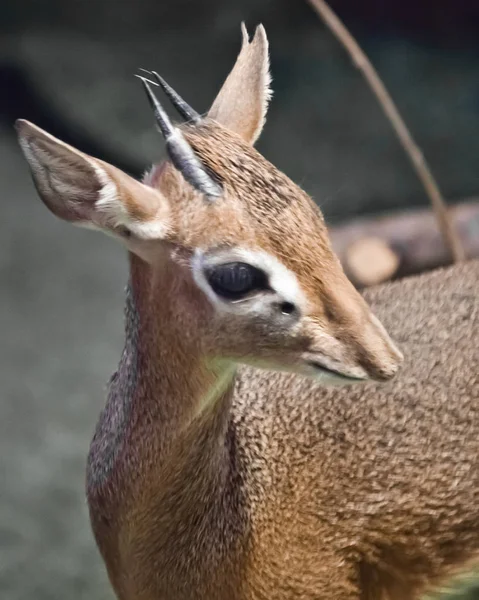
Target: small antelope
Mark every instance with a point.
(221, 467)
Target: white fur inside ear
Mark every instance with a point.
(110, 204)
(280, 278)
(109, 201)
(149, 230)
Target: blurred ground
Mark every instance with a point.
(61, 334)
(61, 289)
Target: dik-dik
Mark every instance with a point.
(222, 467)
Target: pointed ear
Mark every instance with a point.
(243, 100)
(87, 191)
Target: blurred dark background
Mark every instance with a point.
(67, 65)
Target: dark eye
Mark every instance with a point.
(287, 308)
(235, 280)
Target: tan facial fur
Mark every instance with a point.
(260, 213)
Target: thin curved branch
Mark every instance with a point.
(411, 148)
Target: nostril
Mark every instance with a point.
(382, 373)
(387, 370)
(287, 308)
(391, 372)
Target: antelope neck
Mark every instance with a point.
(163, 389)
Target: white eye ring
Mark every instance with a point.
(281, 280)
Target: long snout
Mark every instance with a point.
(376, 352)
(356, 340)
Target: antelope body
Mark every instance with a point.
(221, 467)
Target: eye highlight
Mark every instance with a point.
(235, 280)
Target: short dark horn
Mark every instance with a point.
(182, 155)
(163, 120)
(181, 106)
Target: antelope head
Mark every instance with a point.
(242, 251)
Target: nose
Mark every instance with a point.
(377, 353)
(365, 343)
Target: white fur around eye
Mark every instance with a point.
(281, 279)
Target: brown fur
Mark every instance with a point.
(288, 490)
(213, 481)
(263, 209)
(378, 486)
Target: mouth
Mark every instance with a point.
(319, 368)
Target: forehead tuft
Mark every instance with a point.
(242, 170)
(268, 195)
